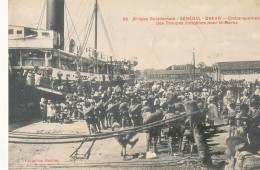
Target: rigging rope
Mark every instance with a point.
(78, 11)
(71, 33)
(42, 13)
(88, 16)
(86, 24)
(88, 33)
(72, 23)
(27, 136)
(67, 30)
(96, 136)
(106, 32)
(111, 27)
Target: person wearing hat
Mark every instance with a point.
(135, 110)
(147, 107)
(245, 98)
(112, 113)
(67, 84)
(151, 115)
(254, 110)
(257, 91)
(156, 103)
(178, 107)
(96, 118)
(125, 140)
(195, 117)
(232, 118)
(244, 109)
(62, 112)
(152, 133)
(38, 78)
(78, 110)
(43, 108)
(28, 78)
(109, 113)
(169, 132)
(253, 126)
(73, 108)
(123, 111)
(57, 112)
(88, 112)
(109, 91)
(160, 110)
(100, 111)
(204, 93)
(52, 82)
(104, 118)
(100, 89)
(70, 108)
(164, 107)
(188, 138)
(212, 111)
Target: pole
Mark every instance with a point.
(77, 60)
(81, 59)
(107, 66)
(129, 67)
(96, 36)
(112, 72)
(97, 65)
(217, 74)
(81, 63)
(193, 64)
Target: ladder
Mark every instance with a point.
(75, 155)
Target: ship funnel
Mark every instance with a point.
(55, 18)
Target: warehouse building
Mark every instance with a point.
(237, 70)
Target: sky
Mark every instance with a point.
(158, 46)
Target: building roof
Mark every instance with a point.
(238, 65)
(172, 72)
(207, 69)
(183, 65)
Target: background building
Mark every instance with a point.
(237, 70)
(174, 72)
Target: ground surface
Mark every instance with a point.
(105, 154)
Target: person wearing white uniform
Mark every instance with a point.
(37, 79)
(257, 91)
(50, 111)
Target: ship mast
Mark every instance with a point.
(96, 60)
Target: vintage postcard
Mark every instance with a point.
(130, 84)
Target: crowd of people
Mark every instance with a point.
(130, 106)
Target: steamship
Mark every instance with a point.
(41, 51)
